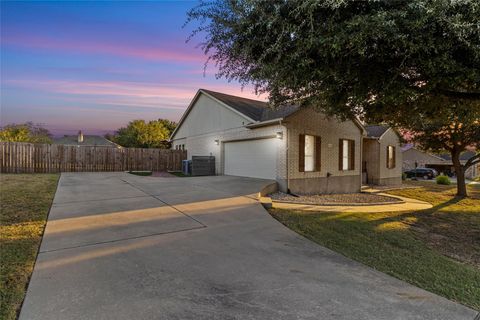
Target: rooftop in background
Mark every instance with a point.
(464, 156)
(254, 109)
(88, 140)
(376, 131)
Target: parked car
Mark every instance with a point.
(425, 173)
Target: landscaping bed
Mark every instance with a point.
(360, 198)
(25, 202)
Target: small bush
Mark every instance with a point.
(443, 180)
(404, 176)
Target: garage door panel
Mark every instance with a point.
(252, 158)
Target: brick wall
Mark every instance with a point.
(330, 130)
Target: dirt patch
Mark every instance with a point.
(326, 199)
(162, 174)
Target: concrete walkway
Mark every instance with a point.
(408, 204)
(119, 246)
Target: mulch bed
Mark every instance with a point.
(326, 199)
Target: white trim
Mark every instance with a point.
(264, 123)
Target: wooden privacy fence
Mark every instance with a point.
(19, 157)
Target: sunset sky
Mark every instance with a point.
(96, 66)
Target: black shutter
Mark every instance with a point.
(352, 155)
(318, 153)
(301, 153)
(340, 154)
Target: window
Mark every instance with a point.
(183, 147)
(346, 155)
(390, 157)
(309, 153)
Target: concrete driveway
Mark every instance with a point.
(119, 246)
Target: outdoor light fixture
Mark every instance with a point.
(279, 135)
(217, 142)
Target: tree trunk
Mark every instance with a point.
(460, 172)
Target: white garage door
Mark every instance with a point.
(252, 158)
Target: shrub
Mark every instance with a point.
(404, 176)
(443, 180)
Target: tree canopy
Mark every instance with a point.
(413, 64)
(347, 57)
(25, 132)
(142, 134)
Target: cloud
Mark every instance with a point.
(165, 54)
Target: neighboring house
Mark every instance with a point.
(382, 158)
(303, 150)
(85, 140)
(413, 157)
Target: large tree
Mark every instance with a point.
(384, 61)
(142, 134)
(25, 132)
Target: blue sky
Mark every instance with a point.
(97, 65)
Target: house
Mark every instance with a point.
(302, 149)
(85, 140)
(382, 159)
(413, 157)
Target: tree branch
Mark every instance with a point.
(459, 94)
(473, 160)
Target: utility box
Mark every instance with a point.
(203, 166)
(187, 167)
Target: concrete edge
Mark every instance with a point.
(265, 201)
(343, 204)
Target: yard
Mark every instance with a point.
(25, 202)
(436, 249)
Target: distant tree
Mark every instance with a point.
(383, 61)
(25, 132)
(170, 125)
(454, 128)
(142, 134)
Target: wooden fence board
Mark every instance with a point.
(19, 157)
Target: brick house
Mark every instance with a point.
(302, 149)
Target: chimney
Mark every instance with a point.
(80, 136)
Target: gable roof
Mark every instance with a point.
(253, 110)
(88, 140)
(376, 131)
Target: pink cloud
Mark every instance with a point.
(137, 90)
(95, 47)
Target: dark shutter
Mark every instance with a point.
(352, 155)
(318, 153)
(394, 157)
(388, 154)
(340, 154)
(301, 153)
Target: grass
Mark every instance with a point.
(179, 174)
(141, 173)
(25, 202)
(436, 249)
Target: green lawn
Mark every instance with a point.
(436, 249)
(25, 202)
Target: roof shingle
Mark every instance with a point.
(376, 131)
(254, 109)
